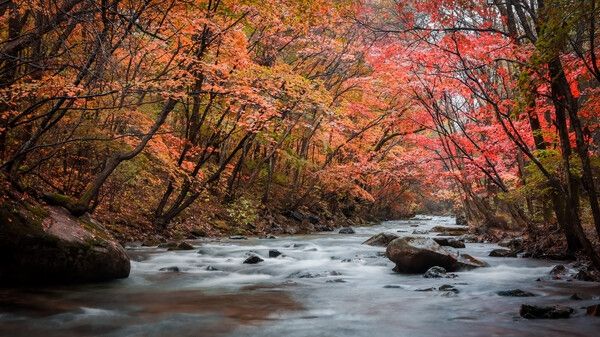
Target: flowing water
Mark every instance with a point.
(325, 284)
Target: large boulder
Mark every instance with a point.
(44, 244)
(417, 255)
(381, 239)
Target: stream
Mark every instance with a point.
(324, 284)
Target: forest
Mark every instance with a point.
(140, 123)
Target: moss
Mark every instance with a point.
(95, 229)
(22, 218)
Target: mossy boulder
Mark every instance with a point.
(46, 245)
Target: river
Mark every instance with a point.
(324, 284)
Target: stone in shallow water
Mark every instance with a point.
(438, 272)
(274, 253)
(173, 269)
(182, 246)
(238, 237)
(211, 268)
(450, 242)
(575, 297)
(559, 270)
(593, 310)
(449, 288)
(302, 274)
(381, 239)
(347, 230)
(337, 280)
(394, 286)
(551, 312)
(515, 293)
(503, 253)
(253, 260)
(420, 232)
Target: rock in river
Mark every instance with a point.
(182, 246)
(253, 260)
(347, 230)
(552, 312)
(45, 244)
(450, 231)
(173, 269)
(593, 310)
(503, 253)
(515, 293)
(417, 255)
(274, 253)
(438, 272)
(450, 242)
(381, 239)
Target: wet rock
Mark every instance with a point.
(392, 286)
(173, 269)
(417, 255)
(347, 230)
(42, 244)
(472, 238)
(515, 293)
(438, 272)
(450, 231)
(238, 237)
(420, 232)
(559, 271)
(381, 239)
(302, 274)
(593, 310)
(512, 244)
(461, 220)
(211, 268)
(503, 253)
(414, 225)
(181, 246)
(274, 253)
(337, 280)
(253, 260)
(472, 261)
(449, 242)
(270, 237)
(335, 273)
(575, 297)
(448, 288)
(167, 244)
(551, 312)
(583, 275)
(425, 289)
